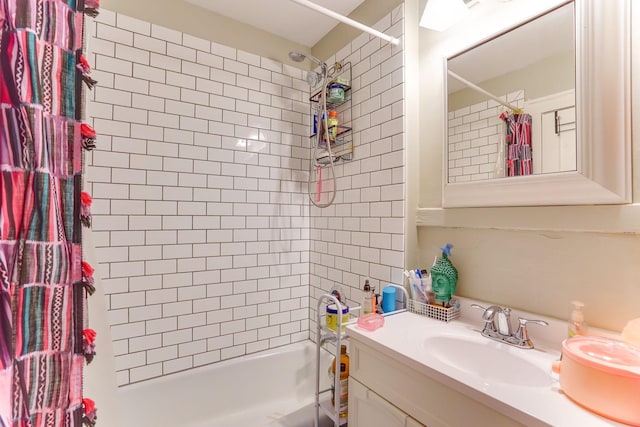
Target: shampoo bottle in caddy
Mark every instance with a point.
(332, 123)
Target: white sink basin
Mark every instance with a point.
(490, 361)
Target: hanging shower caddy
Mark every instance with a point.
(342, 144)
(326, 335)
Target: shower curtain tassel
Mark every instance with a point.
(91, 8)
(89, 344)
(85, 212)
(90, 412)
(87, 277)
(85, 69)
(88, 137)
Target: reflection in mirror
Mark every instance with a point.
(511, 102)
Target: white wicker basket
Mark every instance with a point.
(436, 311)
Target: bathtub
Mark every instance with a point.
(272, 388)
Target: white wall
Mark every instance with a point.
(536, 271)
(201, 217)
(200, 220)
(361, 235)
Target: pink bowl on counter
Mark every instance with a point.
(603, 375)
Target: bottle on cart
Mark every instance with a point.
(344, 381)
(366, 300)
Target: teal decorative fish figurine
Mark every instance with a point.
(444, 276)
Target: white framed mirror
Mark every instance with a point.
(585, 101)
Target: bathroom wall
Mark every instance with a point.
(200, 217)
(360, 236)
(537, 271)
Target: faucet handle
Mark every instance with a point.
(523, 322)
(523, 335)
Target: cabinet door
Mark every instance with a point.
(367, 409)
(413, 393)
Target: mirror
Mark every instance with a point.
(532, 116)
(527, 77)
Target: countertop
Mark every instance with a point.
(404, 336)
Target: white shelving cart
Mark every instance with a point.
(325, 335)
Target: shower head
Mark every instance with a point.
(313, 78)
(299, 57)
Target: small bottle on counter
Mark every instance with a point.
(366, 300)
(376, 300)
(577, 325)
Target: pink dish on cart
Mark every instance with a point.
(371, 321)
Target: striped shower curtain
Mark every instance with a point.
(42, 289)
(518, 140)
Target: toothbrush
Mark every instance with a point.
(421, 282)
(412, 286)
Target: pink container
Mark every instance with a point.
(371, 321)
(603, 375)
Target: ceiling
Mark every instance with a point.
(284, 18)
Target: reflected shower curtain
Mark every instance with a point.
(518, 142)
(42, 296)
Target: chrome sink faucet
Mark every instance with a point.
(497, 326)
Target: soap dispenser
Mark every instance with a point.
(577, 325)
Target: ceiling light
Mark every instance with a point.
(439, 15)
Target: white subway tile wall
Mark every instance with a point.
(360, 236)
(200, 215)
(208, 248)
(475, 133)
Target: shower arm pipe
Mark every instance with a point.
(484, 92)
(330, 13)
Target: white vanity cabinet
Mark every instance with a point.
(385, 392)
(367, 408)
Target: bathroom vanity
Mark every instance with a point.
(416, 371)
(402, 390)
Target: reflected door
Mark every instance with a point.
(553, 133)
(558, 136)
